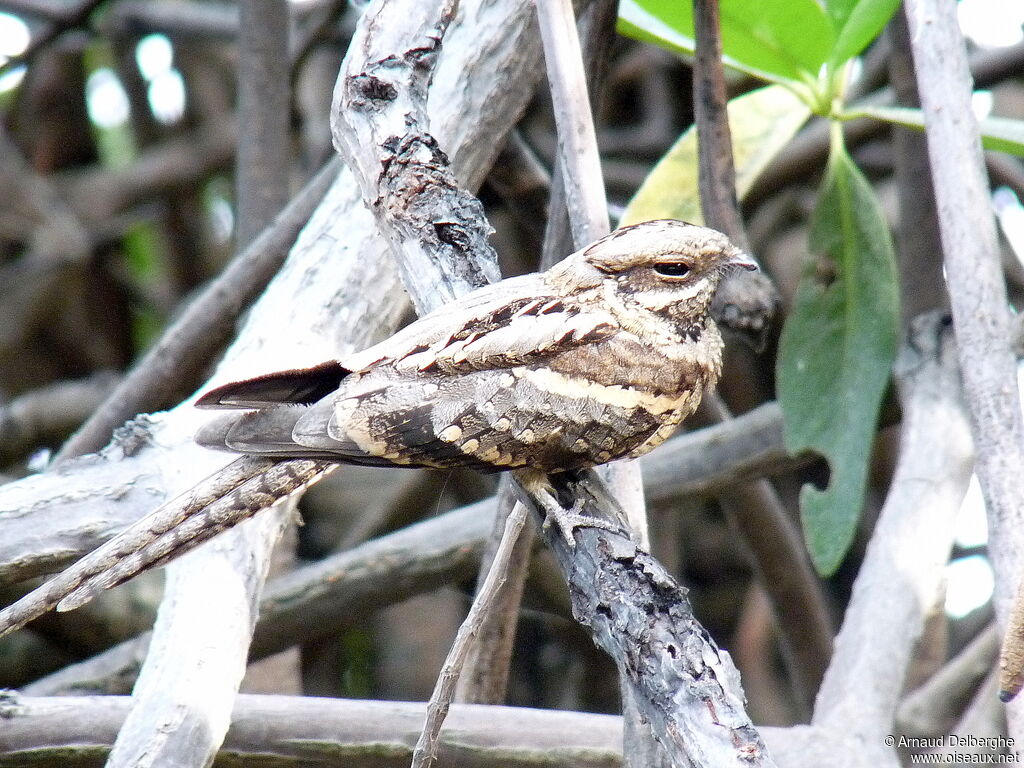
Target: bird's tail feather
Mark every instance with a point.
(236, 493)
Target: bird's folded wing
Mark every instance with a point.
(301, 386)
(539, 328)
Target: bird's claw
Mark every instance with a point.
(568, 520)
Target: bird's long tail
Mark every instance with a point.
(240, 490)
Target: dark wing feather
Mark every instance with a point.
(268, 432)
(301, 387)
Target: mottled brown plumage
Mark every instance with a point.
(600, 357)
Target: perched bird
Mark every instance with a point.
(598, 358)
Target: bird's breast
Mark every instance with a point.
(639, 373)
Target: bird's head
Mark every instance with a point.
(666, 267)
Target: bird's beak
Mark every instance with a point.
(740, 260)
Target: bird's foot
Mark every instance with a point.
(568, 520)
(538, 488)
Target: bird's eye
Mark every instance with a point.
(672, 269)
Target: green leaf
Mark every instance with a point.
(762, 122)
(836, 353)
(776, 40)
(838, 11)
(857, 24)
(638, 23)
(1002, 134)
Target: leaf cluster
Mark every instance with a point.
(839, 341)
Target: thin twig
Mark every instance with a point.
(585, 196)
(205, 326)
(922, 287)
(755, 509)
(717, 175)
(931, 709)
(46, 415)
(261, 161)
(587, 208)
(904, 565)
(977, 292)
(444, 690)
(484, 679)
(597, 33)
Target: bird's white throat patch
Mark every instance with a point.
(660, 298)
